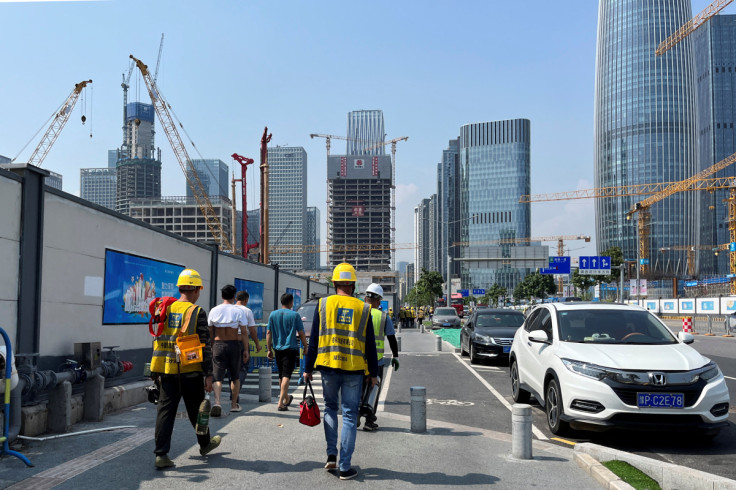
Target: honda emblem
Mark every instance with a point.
(658, 379)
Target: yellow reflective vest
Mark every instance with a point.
(164, 352)
(342, 331)
(378, 318)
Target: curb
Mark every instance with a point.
(605, 477)
(668, 475)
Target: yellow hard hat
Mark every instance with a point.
(344, 273)
(189, 277)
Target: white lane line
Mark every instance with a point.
(384, 389)
(498, 395)
(729, 377)
(487, 368)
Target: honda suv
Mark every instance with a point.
(596, 366)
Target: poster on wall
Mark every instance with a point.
(297, 293)
(255, 290)
(131, 282)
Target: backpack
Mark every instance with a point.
(158, 307)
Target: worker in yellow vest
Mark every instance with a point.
(177, 380)
(342, 347)
(383, 328)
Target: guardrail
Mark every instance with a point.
(709, 325)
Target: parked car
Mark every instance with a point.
(307, 311)
(445, 317)
(488, 333)
(597, 366)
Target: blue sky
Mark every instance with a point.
(231, 67)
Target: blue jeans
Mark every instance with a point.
(350, 387)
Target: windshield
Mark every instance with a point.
(490, 320)
(445, 312)
(612, 327)
(307, 311)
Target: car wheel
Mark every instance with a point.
(519, 394)
(473, 358)
(553, 408)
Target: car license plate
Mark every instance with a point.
(660, 400)
(506, 349)
(445, 324)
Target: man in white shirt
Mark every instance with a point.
(242, 302)
(225, 321)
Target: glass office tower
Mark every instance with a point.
(213, 175)
(715, 61)
(287, 202)
(645, 127)
(495, 164)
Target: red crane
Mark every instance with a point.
(244, 162)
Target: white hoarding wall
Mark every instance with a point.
(10, 200)
(689, 306)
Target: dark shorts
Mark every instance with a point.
(226, 355)
(285, 361)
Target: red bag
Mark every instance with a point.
(308, 408)
(158, 307)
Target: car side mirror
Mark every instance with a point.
(685, 338)
(539, 336)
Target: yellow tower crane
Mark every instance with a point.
(691, 26)
(329, 137)
(177, 145)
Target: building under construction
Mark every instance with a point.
(139, 161)
(359, 211)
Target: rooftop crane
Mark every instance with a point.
(691, 26)
(244, 162)
(177, 145)
(393, 183)
(60, 119)
(351, 247)
(328, 137)
(691, 249)
(158, 61)
(126, 86)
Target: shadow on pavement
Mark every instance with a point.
(433, 478)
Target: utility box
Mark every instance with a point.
(88, 354)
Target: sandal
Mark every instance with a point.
(291, 399)
(216, 411)
(283, 409)
(236, 408)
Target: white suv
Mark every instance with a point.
(596, 366)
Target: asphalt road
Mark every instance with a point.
(717, 455)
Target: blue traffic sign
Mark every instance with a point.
(644, 261)
(595, 265)
(479, 292)
(464, 293)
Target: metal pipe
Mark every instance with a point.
(15, 410)
(68, 434)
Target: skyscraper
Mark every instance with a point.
(448, 213)
(495, 167)
(715, 62)
(139, 162)
(287, 204)
(213, 175)
(54, 180)
(99, 185)
(645, 126)
(359, 211)
(422, 226)
(365, 130)
(311, 238)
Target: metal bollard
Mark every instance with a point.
(418, 409)
(398, 342)
(521, 431)
(264, 384)
(421, 328)
(710, 326)
(438, 343)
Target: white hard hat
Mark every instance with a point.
(374, 289)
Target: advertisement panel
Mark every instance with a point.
(707, 305)
(359, 163)
(652, 306)
(374, 167)
(728, 305)
(131, 282)
(343, 167)
(687, 306)
(255, 290)
(297, 293)
(669, 306)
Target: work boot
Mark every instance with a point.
(163, 461)
(214, 442)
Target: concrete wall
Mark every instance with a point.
(10, 194)
(75, 236)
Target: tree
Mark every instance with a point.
(493, 293)
(427, 288)
(617, 258)
(582, 282)
(535, 286)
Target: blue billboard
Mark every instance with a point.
(255, 290)
(297, 293)
(131, 282)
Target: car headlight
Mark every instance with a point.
(484, 339)
(584, 369)
(710, 373)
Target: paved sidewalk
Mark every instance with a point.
(264, 448)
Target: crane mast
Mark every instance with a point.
(190, 173)
(244, 162)
(265, 139)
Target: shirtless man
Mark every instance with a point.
(225, 321)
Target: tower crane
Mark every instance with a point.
(244, 162)
(177, 145)
(126, 86)
(338, 249)
(60, 119)
(691, 249)
(265, 139)
(158, 61)
(393, 183)
(329, 137)
(691, 26)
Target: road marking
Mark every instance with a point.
(565, 441)
(432, 401)
(729, 377)
(487, 368)
(384, 389)
(498, 395)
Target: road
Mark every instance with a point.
(483, 400)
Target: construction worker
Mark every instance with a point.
(177, 381)
(420, 316)
(343, 348)
(383, 328)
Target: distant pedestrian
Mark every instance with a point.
(226, 321)
(242, 299)
(342, 346)
(283, 327)
(176, 381)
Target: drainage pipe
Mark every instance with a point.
(15, 409)
(68, 434)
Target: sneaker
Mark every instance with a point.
(163, 461)
(214, 442)
(215, 411)
(347, 475)
(331, 463)
(370, 426)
